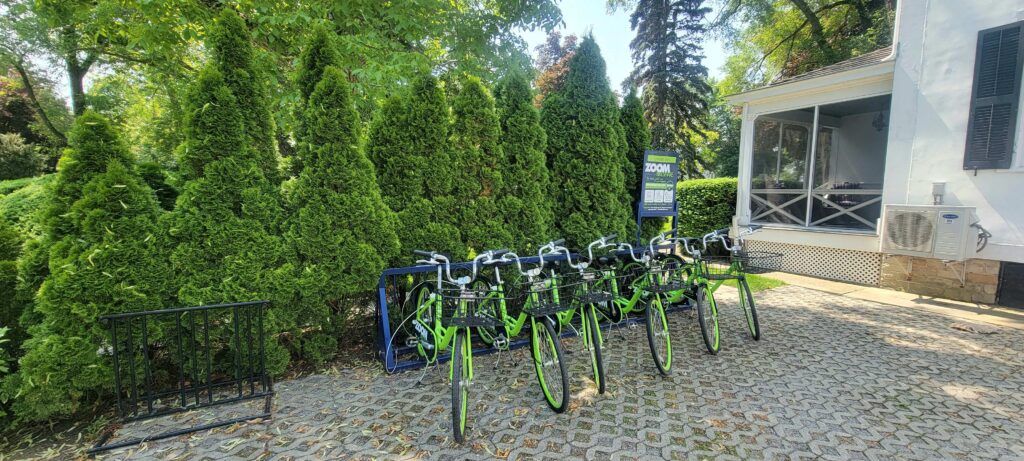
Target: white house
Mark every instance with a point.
(934, 119)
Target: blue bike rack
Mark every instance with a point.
(391, 353)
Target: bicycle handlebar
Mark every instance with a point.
(426, 254)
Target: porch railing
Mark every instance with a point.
(834, 207)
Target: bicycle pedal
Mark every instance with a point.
(501, 342)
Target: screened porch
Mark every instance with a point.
(821, 166)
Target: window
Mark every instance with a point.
(821, 167)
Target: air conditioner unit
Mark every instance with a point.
(929, 231)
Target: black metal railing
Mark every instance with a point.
(174, 360)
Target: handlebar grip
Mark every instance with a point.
(754, 227)
(426, 254)
(557, 242)
(671, 231)
(498, 253)
(610, 237)
(723, 231)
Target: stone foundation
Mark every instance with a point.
(933, 277)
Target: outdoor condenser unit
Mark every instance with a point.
(930, 231)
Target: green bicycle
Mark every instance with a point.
(736, 266)
(642, 282)
(700, 293)
(445, 314)
(533, 301)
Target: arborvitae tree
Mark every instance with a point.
(233, 54)
(585, 151)
(224, 246)
(112, 264)
(92, 143)
(318, 54)
(342, 231)
(478, 160)
(638, 139)
(10, 248)
(524, 202)
(409, 148)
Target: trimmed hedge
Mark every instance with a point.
(705, 205)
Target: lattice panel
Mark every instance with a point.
(831, 263)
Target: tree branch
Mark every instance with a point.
(19, 66)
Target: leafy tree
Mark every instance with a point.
(478, 163)
(10, 249)
(16, 113)
(409, 147)
(666, 53)
(233, 52)
(525, 202)
(343, 233)
(221, 230)
(585, 151)
(782, 38)
(552, 64)
(112, 264)
(726, 145)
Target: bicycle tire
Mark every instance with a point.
(596, 360)
(426, 344)
(657, 326)
(552, 345)
(749, 310)
(707, 316)
(460, 385)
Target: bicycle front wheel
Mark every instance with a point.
(594, 343)
(461, 366)
(549, 360)
(657, 334)
(707, 316)
(747, 303)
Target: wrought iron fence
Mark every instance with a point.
(174, 360)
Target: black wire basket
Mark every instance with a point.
(742, 262)
(666, 278)
(466, 307)
(547, 296)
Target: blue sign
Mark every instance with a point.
(658, 189)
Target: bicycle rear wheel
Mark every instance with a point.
(707, 316)
(548, 359)
(594, 342)
(461, 365)
(657, 334)
(488, 308)
(747, 304)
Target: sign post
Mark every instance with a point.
(658, 188)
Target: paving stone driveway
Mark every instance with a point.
(833, 378)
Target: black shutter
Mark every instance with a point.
(995, 98)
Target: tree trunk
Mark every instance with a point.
(30, 91)
(76, 76)
(812, 19)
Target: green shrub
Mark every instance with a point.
(586, 151)
(222, 243)
(112, 264)
(478, 161)
(234, 55)
(524, 203)
(705, 205)
(22, 207)
(318, 54)
(342, 232)
(10, 248)
(18, 159)
(408, 145)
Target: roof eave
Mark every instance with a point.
(867, 73)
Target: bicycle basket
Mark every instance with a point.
(719, 267)
(464, 307)
(664, 278)
(759, 262)
(547, 296)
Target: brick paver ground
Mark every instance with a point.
(833, 378)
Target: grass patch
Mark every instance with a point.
(10, 185)
(758, 283)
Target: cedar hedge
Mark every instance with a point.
(705, 205)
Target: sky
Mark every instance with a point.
(613, 34)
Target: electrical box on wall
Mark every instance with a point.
(929, 231)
